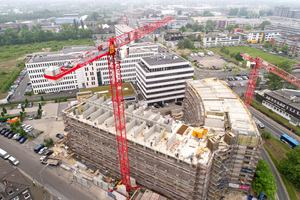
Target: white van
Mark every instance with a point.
(13, 161)
(4, 154)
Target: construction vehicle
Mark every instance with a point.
(115, 51)
(254, 64)
(50, 160)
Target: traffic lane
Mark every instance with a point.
(282, 195)
(268, 126)
(29, 163)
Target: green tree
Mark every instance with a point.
(235, 71)
(267, 45)
(42, 98)
(296, 53)
(264, 180)
(238, 57)
(258, 82)
(275, 81)
(243, 12)
(290, 166)
(263, 24)
(274, 46)
(179, 12)
(48, 142)
(40, 106)
(233, 11)
(199, 38)
(182, 29)
(248, 27)
(4, 110)
(26, 101)
(207, 13)
(75, 23)
(155, 39)
(82, 24)
(230, 27)
(2, 114)
(94, 16)
(23, 109)
(285, 49)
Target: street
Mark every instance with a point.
(58, 184)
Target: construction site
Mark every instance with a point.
(213, 150)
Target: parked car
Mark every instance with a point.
(10, 135)
(60, 136)
(30, 104)
(43, 150)
(38, 148)
(15, 136)
(30, 117)
(48, 153)
(19, 138)
(22, 140)
(3, 131)
(20, 106)
(13, 161)
(7, 133)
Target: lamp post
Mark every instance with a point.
(41, 175)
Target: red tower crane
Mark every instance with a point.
(255, 64)
(111, 49)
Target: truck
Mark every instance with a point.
(50, 160)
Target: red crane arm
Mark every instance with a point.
(274, 69)
(270, 67)
(103, 49)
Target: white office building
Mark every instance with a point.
(92, 75)
(162, 78)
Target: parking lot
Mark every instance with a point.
(209, 61)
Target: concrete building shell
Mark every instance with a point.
(164, 154)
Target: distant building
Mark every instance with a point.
(254, 36)
(292, 41)
(285, 28)
(282, 11)
(13, 185)
(162, 78)
(120, 29)
(285, 103)
(176, 24)
(220, 40)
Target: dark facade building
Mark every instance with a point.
(13, 185)
(283, 11)
(285, 103)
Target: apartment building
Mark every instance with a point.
(292, 41)
(220, 40)
(162, 78)
(177, 160)
(92, 75)
(255, 37)
(284, 103)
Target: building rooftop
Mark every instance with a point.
(124, 28)
(163, 59)
(11, 180)
(288, 97)
(169, 136)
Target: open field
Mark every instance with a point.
(273, 59)
(12, 55)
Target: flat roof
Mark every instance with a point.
(124, 28)
(286, 97)
(163, 59)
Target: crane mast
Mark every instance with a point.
(111, 49)
(254, 65)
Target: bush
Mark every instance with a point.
(266, 135)
(48, 142)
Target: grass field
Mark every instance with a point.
(276, 151)
(10, 55)
(273, 59)
(126, 92)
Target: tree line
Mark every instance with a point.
(25, 36)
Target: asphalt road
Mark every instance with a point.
(276, 131)
(282, 195)
(29, 163)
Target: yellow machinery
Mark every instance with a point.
(198, 132)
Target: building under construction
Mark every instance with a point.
(218, 153)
